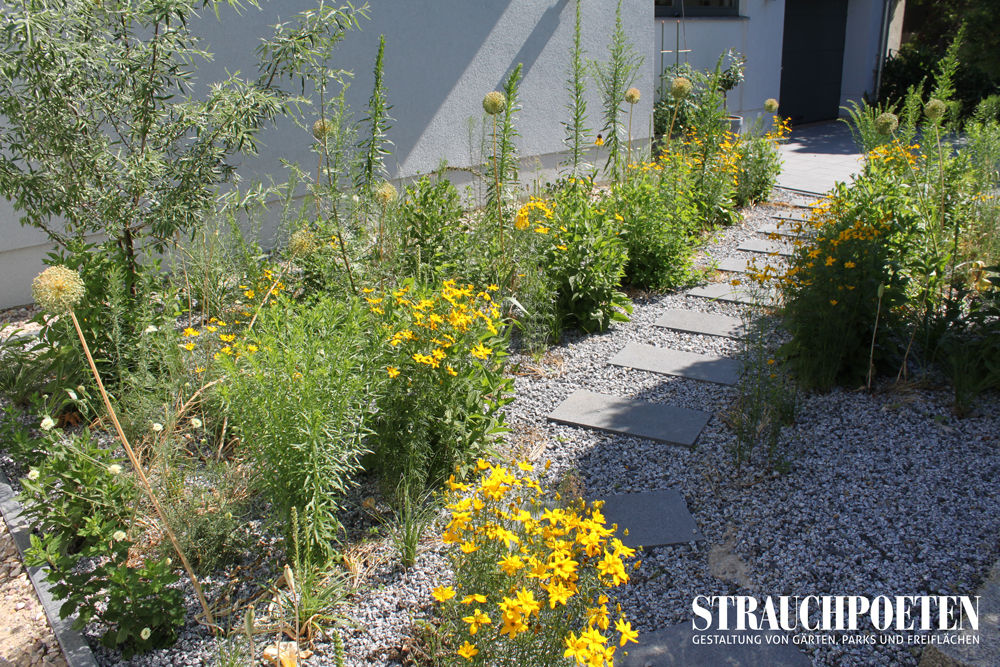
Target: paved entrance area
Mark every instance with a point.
(818, 155)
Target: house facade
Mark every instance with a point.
(442, 56)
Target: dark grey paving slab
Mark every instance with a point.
(960, 651)
(677, 362)
(790, 228)
(655, 421)
(695, 321)
(675, 647)
(75, 649)
(733, 264)
(766, 246)
(793, 216)
(653, 519)
(727, 292)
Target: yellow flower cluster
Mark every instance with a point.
(534, 211)
(554, 564)
(444, 330)
(894, 154)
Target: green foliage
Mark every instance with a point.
(613, 78)
(431, 235)
(758, 163)
(585, 260)
(83, 505)
(832, 300)
(441, 384)
(299, 405)
(659, 223)
(374, 147)
(576, 86)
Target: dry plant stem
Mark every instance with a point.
(210, 621)
(629, 158)
(336, 218)
(871, 350)
(673, 117)
(270, 291)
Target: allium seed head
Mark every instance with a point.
(935, 109)
(494, 102)
(886, 123)
(770, 105)
(321, 128)
(302, 243)
(680, 87)
(386, 193)
(58, 289)
(632, 95)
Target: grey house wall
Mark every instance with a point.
(441, 57)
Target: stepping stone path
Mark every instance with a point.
(694, 321)
(676, 362)
(768, 247)
(675, 647)
(731, 293)
(661, 517)
(655, 421)
(654, 519)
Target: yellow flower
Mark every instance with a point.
(849, 265)
(249, 294)
(468, 651)
(451, 371)
(480, 351)
(443, 593)
(511, 564)
(599, 141)
(475, 597)
(392, 371)
(477, 620)
(628, 634)
(469, 547)
(541, 230)
(830, 261)
(199, 369)
(833, 302)
(187, 333)
(227, 338)
(188, 346)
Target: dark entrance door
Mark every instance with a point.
(812, 58)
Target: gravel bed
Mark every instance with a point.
(887, 494)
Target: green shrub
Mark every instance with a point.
(84, 507)
(298, 400)
(659, 222)
(585, 258)
(758, 163)
(430, 232)
(441, 388)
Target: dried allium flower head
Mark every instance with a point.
(886, 123)
(386, 193)
(770, 105)
(935, 109)
(494, 102)
(58, 289)
(302, 243)
(680, 87)
(632, 95)
(321, 128)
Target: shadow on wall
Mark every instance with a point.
(436, 70)
(830, 137)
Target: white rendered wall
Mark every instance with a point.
(861, 49)
(441, 57)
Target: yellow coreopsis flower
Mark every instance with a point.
(443, 593)
(468, 651)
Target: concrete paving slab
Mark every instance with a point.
(695, 321)
(675, 647)
(767, 247)
(733, 264)
(731, 293)
(667, 361)
(653, 519)
(655, 421)
(961, 651)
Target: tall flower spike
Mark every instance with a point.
(386, 193)
(58, 289)
(935, 109)
(302, 243)
(886, 123)
(494, 102)
(632, 95)
(680, 87)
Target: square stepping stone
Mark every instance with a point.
(653, 519)
(731, 293)
(695, 321)
(677, 362)
(797, 215)
(655, 421)
(675, 647)
(733, 264)
(784, 228)
(766, 246)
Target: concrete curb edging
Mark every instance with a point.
(75, 649)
